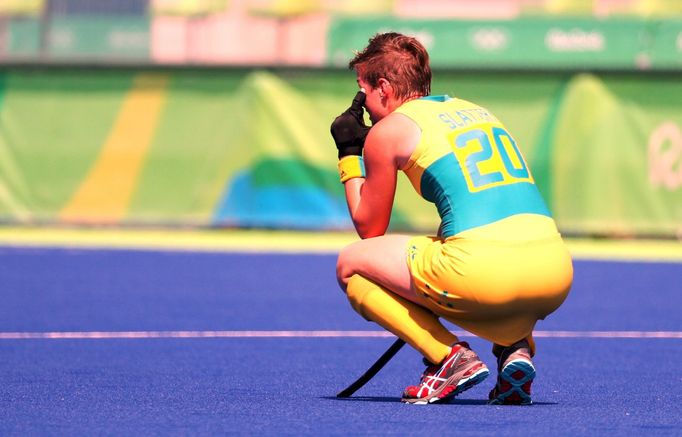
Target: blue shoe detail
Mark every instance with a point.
(514, 382)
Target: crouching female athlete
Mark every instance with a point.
(498, 263)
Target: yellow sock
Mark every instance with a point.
(418, 326)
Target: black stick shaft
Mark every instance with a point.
(369, 374)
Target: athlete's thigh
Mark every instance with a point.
(380, 259)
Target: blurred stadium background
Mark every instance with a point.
(215, 113)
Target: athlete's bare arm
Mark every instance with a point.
(388, 146)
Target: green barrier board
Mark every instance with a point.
(526, 43)
(79, 38)
(666, 49)
(107, 37)
(23, 37)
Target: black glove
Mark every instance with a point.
(349, 130)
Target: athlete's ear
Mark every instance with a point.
(384, 87)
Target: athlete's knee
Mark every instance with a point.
(344, 268)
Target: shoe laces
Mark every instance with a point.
(428, 378)
(430, 370)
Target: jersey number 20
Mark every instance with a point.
(489, 158)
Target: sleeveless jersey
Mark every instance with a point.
(468, 165)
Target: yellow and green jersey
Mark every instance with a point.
(468, 165)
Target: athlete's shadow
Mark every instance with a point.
(363, 399)
(397, 400)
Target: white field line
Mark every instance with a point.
(78, 335)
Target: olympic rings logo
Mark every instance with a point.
(490, 39)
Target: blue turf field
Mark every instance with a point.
(286, 386)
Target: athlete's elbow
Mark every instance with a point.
(369, 230)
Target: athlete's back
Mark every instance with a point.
(470, 167)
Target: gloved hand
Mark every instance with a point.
(349, 130)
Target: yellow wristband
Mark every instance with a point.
(351, 166)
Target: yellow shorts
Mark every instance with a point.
(491, 281)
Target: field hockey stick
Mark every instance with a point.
(369, 374)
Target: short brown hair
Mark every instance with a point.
(399, 58)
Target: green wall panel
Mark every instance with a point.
(52, 126)
(251, 148)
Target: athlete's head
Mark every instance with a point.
(392, 68)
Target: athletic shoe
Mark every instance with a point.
(461, 370)
(515, 375)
